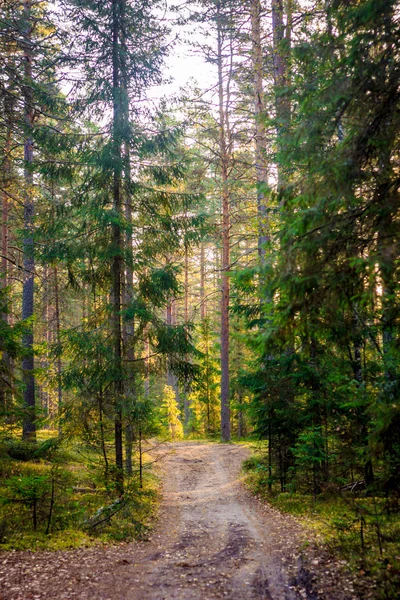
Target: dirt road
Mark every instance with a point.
(213, 540)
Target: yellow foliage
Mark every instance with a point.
(170, 406)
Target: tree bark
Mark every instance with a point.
(260, 133)
(129, 326)
(203, 301)
(4, 212)
(7, 369)
(116, 266)
(281, 49)
(225, 234)
(186, 403)
(58, 342)
(29, 426)
(170, 320)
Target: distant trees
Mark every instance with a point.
(31, 106)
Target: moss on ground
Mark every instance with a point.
(64, 494)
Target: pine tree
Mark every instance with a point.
(328, 324)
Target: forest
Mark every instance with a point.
(212, 262)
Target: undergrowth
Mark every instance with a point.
(361, 528)
(53, 496)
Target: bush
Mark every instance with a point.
(28, 451)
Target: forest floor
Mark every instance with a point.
(213, 540)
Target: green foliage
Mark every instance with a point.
(10, 349)
(29, 491)
(326, 384)
(51, 505)
(26, 451)
(362, 530)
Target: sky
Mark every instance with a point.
(183, 64)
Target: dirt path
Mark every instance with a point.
(213, 541)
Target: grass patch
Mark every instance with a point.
(365, 530)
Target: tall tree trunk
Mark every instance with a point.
(42, 391)
(186, 404)
(260, 133)
(58, 342)
(4, 212)
(116, 267)
(225, 235)
(147, 362)
(129, 326)
(29, 426)
(362, 416)
(203, 301)
(5, 180)
(170, 320)
(281, 49)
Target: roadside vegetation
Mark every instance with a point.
(358, 525)
(54, 496)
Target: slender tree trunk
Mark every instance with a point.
(203, 301)
(29, 426)
(225, 234)
(186, 404)
(116, 267)
(102, 435)
(147, 379)
(140, 457)
(260, 133)
(58, 342)
(129, 326)
(4, 243)
(4, 394)
(362, 417)
(281, 49)
(170, 375)
(269, 457)
(170, 321)
(4, 213)
(387, 257)
(48, 321)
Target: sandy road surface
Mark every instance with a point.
(212, 541)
